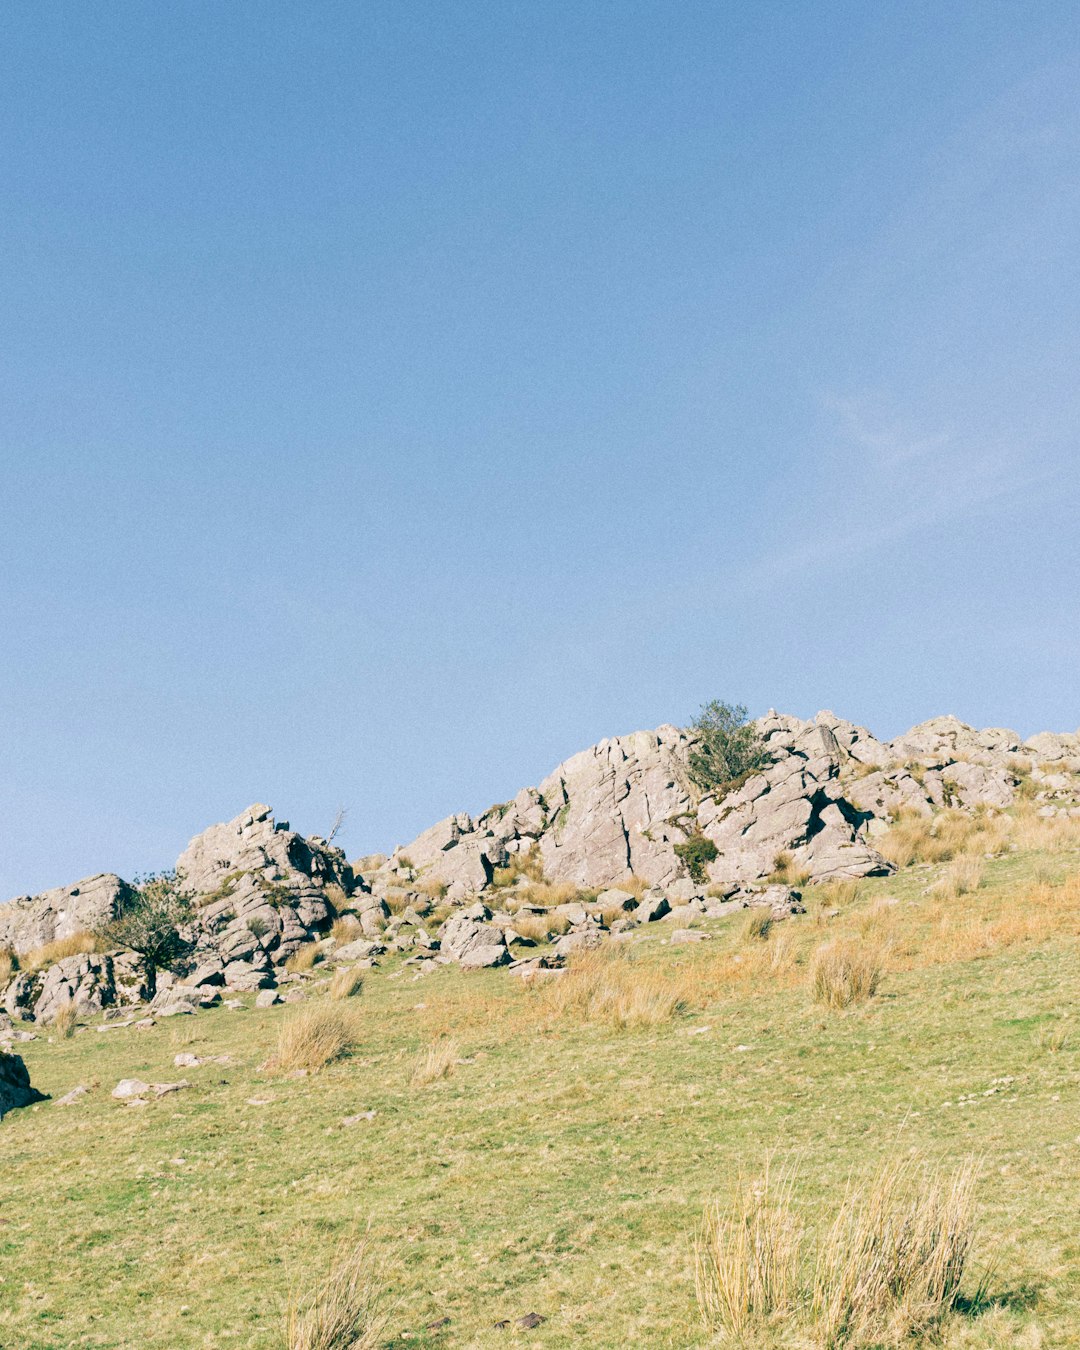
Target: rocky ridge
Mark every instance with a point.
(618, 833)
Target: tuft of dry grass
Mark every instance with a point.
(335, 897)
(314, 1036)
(41, 957)
(529, 865)
(891, 1264)
(1053, 1038)
(65, 1020)
(606, 985)
(397, 902)
(786, 872)
(346, 982)
(845, 971)
(346, 929)
(747, 1255)
(438, 1061)
(303, 958)
(9, 964)
(962, 876)
(540, 927)
(552, 893)
(757, 925)
(433, 887)
(346, 1309)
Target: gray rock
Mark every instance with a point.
(32, 921)
(684, 935)
(654, 905)
(15, 1089)
(266, 998)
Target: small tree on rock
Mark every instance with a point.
(729, 746)
(150, 918)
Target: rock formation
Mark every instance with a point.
(15, 1089)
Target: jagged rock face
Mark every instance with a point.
(619, 808)
(795, 806)
(15, 1089)
(32, 921)
(91, 981)
(260, 888)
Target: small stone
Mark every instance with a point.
(360, 1115)
(130, 1087)
(266, 998)
(76, 1094)
(186, 1060)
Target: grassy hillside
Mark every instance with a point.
(563, 1163)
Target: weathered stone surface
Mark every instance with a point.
(32, 921)
(261, 889)
(471, 941)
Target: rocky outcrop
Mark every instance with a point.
(32, 921)
(261, 890)
(15, 1089)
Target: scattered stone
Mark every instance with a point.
(360, 1115)
(70, 1098)
(186, 1060)
(266, 998)
(130, 1087)
(684, 935)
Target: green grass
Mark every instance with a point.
(562, 1168)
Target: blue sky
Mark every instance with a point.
(396, 398)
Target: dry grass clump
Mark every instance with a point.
(757, 925)
(41, 957)
(345, 1310)
(529, 865)
(438, 1061)
(346, 929)
(845, 971)
(891, 1265)
(303, 958)
(314, 1036)
(65, 1020)
(606, 985)
(839, 894)
(540, 927)
(335, 897)
(963, 875)
(396, 901)
(747, 1255)
(9, 964)
(552, 893)
(433, 887)
(346, 982)
(786, 872)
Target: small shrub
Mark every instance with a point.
(747, 1256)
(314, 1036)
(436, 1062)
(345, 1310)
(65, 1019)
(346, 929)
(695, 854)
(303, 958)
(346, 982)
(891, 1265)
(786, 873)
(258, 928)
(757, 925)
(727, 747)
(150, 919)
(845, 971)
(42, 957)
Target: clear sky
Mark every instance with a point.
(397, 397)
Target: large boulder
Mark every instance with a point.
(261, 889)
(32, 921)
(470, 940)
(15, 1089)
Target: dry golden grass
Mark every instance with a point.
(632, 885)
(9, 964)
(396, 901)
(786, 872)
(303, 958)
(438, 1061)
(539, 927)
(41, 957)
(757, 925)
(839, 894)
(747, 1256)
(346, 982)
(346, 929)
(336, 897)
(433, 887)
(552, 893)
(962, 876)
(346, 1310)
(65, 1020)
(605, 985)
(948, 834)
(529, 865)
(845, 971)
(891, 1264)
(314, 1036)
(1053, 1038)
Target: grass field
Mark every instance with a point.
(561, 1165)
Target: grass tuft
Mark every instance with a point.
(315, 1036)
(65, 1020)
(346, 982)
(345, 1310)
(845, 971)
(436, 1062)
(303, 958)
(41, 957)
